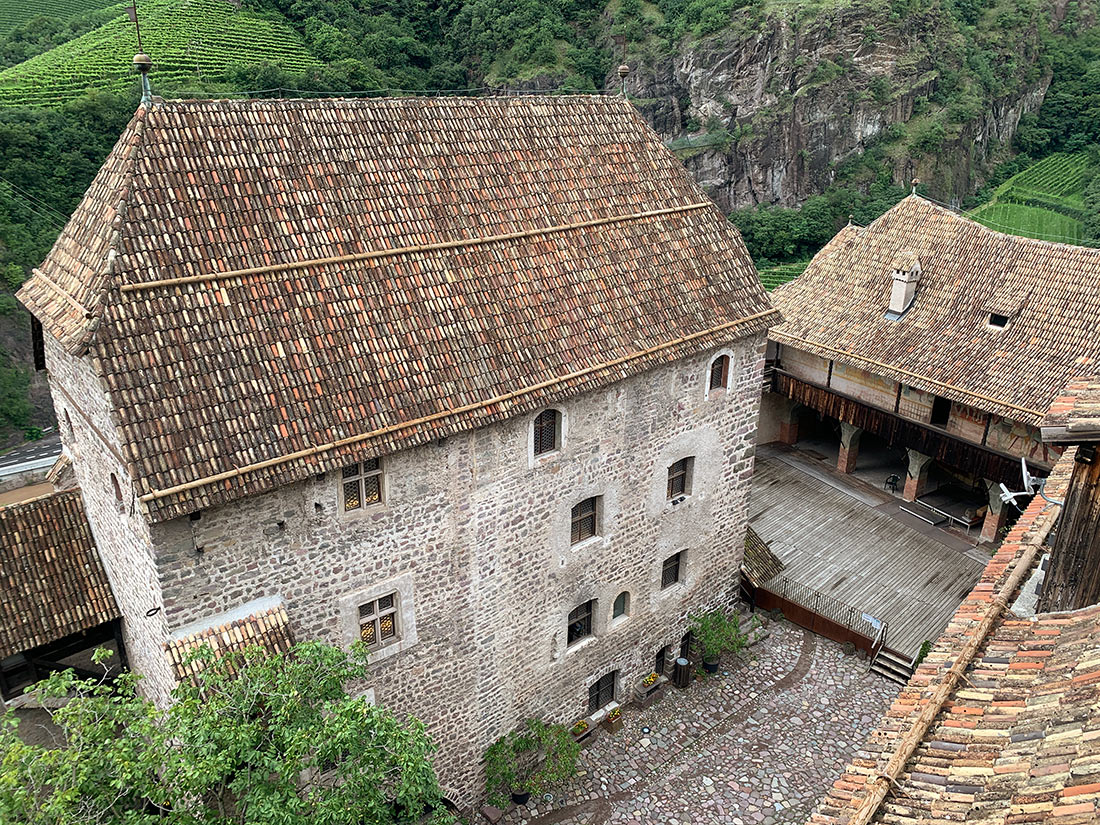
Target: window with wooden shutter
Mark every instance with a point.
(719, 372)
(580, 622)
(670, 571)
(378, 621)
(361, 484)
(679, 477)
(585, 520)
(547, 432)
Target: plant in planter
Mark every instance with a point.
(717, 632)
(580, 727)
(651, 679)
(529, 760)
(614, 719)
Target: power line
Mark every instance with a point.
(21, 201)
(31, 198)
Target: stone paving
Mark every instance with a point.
(756, 744)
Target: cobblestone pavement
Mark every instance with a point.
(756, 744)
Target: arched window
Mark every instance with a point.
(118, 492)
(622, 605)
(547, 432)
(720, 372)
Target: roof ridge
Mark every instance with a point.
(318, 102)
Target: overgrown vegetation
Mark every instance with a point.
(256, 738)
(529, 761)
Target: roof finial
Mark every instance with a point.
(913, 191)
(851, 218)
(142, 63)
(624, 70)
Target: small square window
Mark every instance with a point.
(997, 320)
(547, 432)
(362, 484)
(580, 622)
(585, 520)
(670, 571)
(378, 621)
(679, 477)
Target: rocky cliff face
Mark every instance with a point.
(767, 113)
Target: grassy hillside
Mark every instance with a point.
(14, 13)
(191, 39)
(1045, 201)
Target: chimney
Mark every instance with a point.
(904, 286)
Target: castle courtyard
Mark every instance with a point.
(756, 744)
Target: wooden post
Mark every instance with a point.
(1073, 580)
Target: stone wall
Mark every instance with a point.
(89, 436)
(473, 537)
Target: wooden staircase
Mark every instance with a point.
(892, 666)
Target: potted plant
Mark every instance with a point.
(580, 728)
(528, 761)
(716, 632)
(613, 722)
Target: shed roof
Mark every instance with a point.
(275, 288)
(1017, 737)
(263, 623)
(944, 344)
(52, 582)
(1074, 416)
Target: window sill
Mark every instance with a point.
(380, 654)
(618, 620)
(591, 541)
(672, 589)
(676, 502)
(363, 512)
(581, 645)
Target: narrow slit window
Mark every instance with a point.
(361, 484)
(585, 520)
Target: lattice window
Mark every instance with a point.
(580, 622)
(679, 477)
(378, 621)
(362, 484)
(720, 372)
(585, 520)
(547, 431)
(602, 692)
(670, 571)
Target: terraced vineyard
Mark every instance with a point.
(14, 13)
(778, 275)
(1044, 201)
(188, 40)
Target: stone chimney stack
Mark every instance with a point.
(904, 286)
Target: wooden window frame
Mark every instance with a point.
(720, 370)
(363, 475)
(372, 614)
(675, 564)
(582, 616)
(547, 424)
(602, 692)
(579, 529)
(680, 477)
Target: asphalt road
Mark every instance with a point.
(45, 448)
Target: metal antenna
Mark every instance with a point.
(142, 63)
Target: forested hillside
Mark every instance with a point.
(793, 114)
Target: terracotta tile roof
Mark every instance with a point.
(1018, 737)
(415, 268)
(1074, 416)
(760, 565)
(267, 627)
(944, 343)
(52, 582)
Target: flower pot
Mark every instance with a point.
(710, 667)
(521, 798)
(613, 725)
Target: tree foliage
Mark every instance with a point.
(256, 738)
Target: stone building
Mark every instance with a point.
(929, 333)
(475, 381)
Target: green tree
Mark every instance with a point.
(256, 738)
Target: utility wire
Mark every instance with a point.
(23, 202)
(28, 196)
